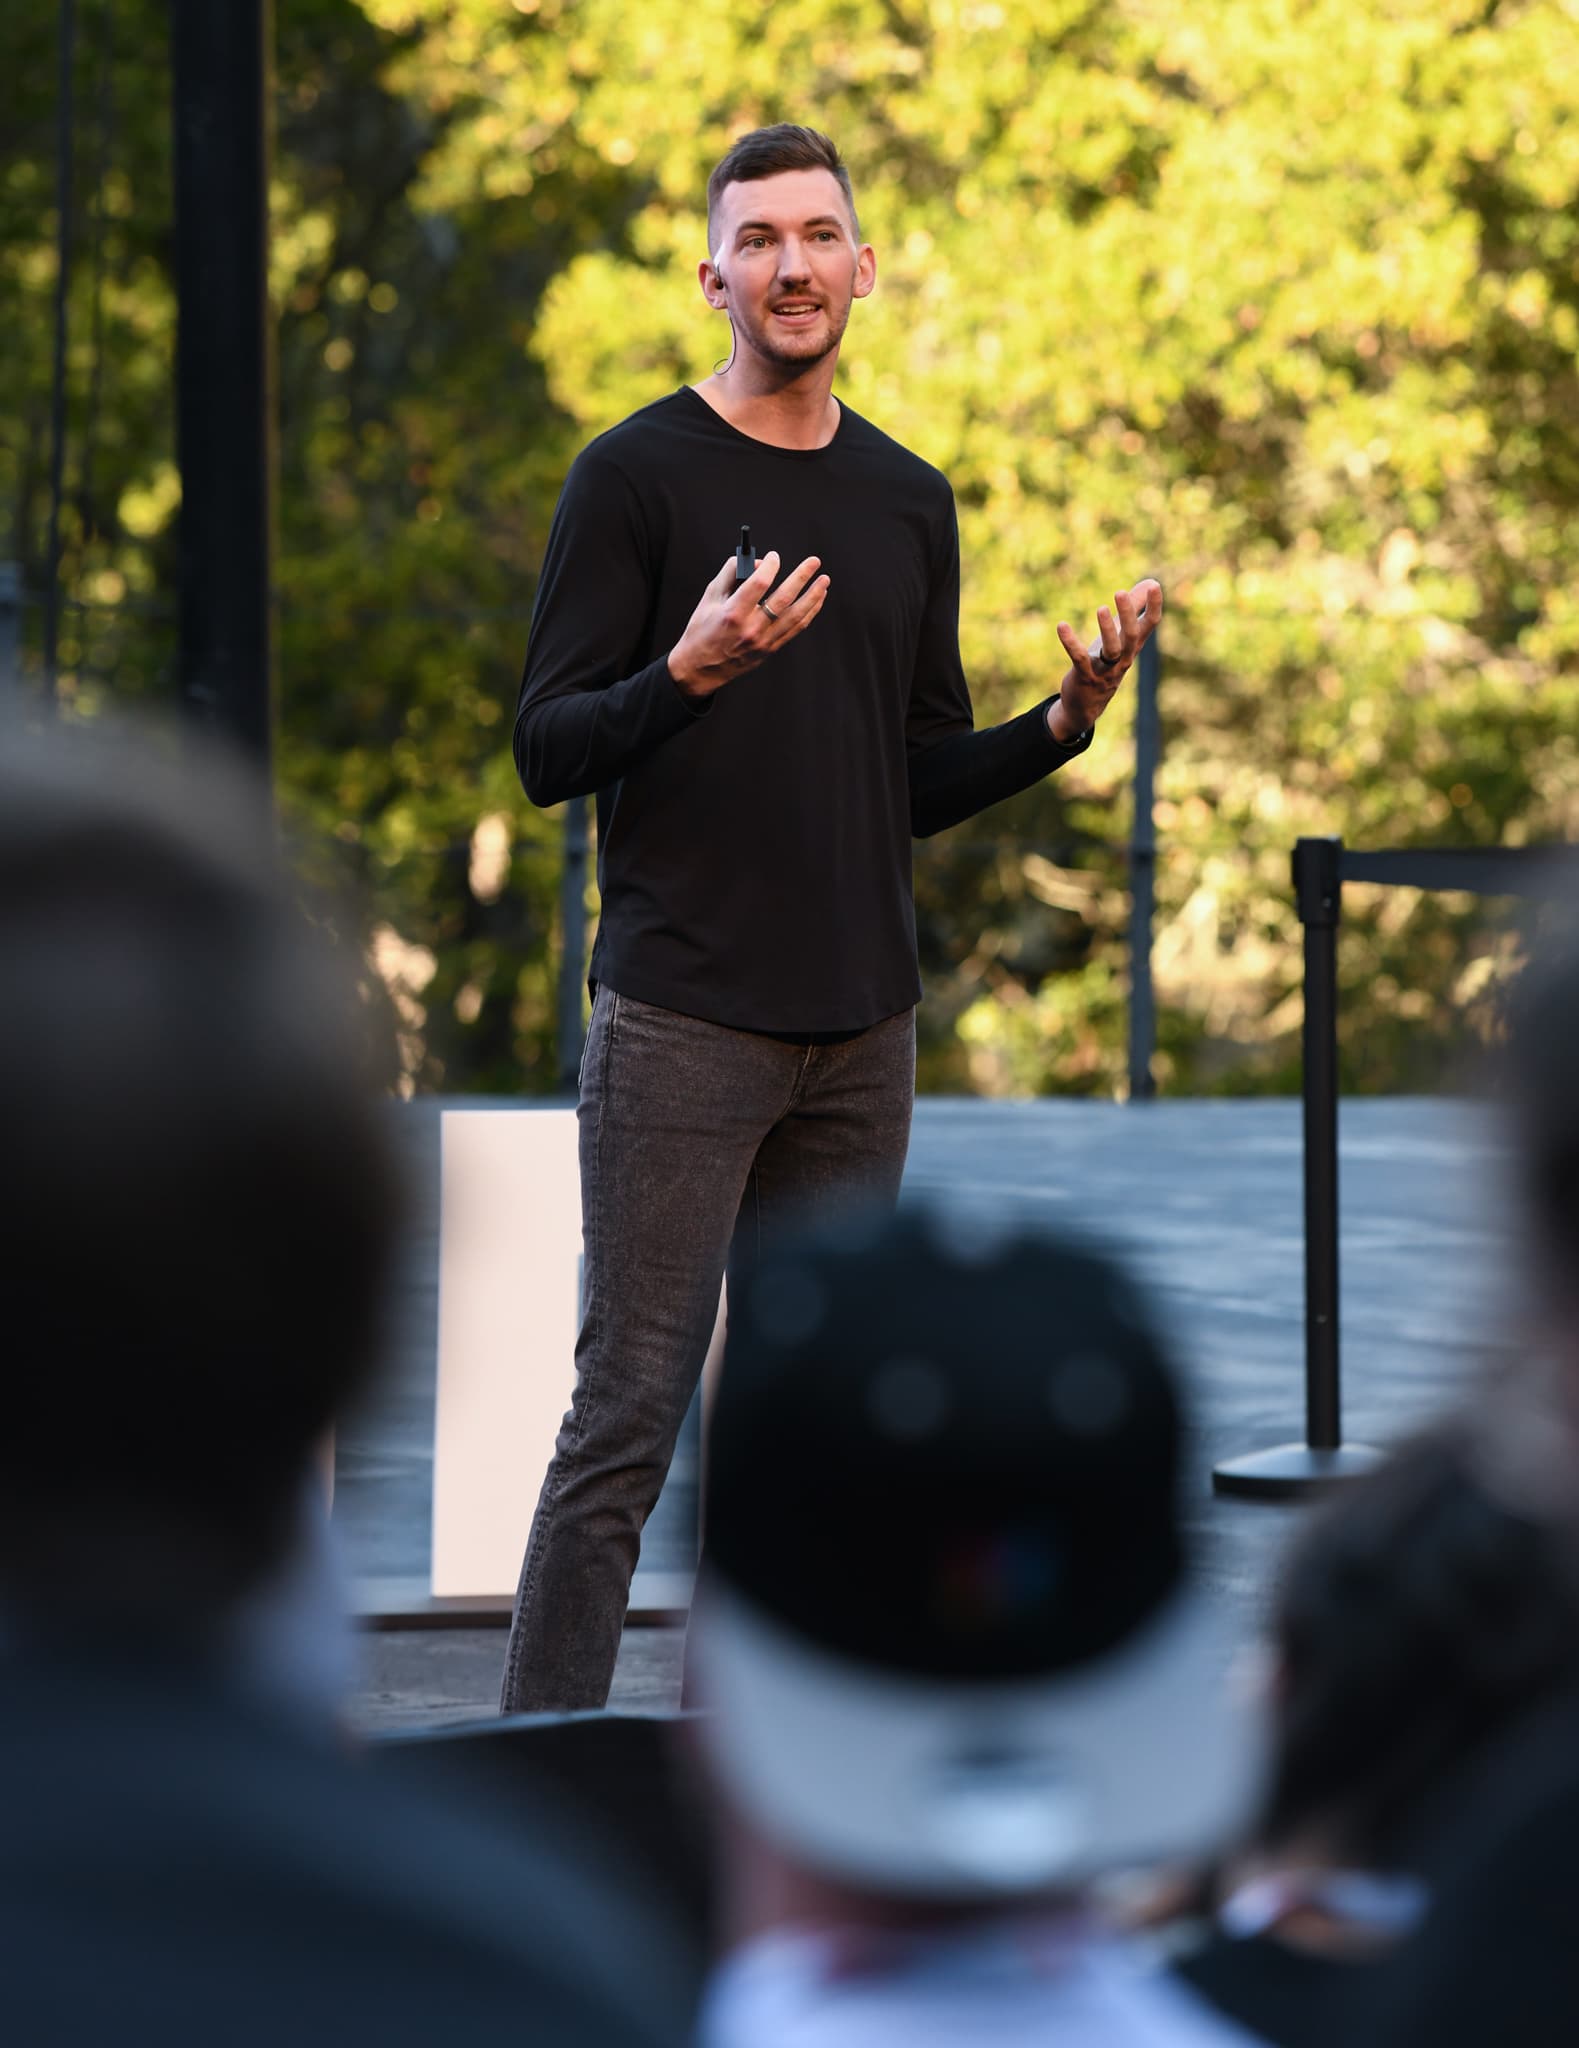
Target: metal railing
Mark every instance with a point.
(1321, 867)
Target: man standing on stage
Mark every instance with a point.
(761, 756)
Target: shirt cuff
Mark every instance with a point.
(694, 707)
(1066, 751)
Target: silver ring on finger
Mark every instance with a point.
(764, 606)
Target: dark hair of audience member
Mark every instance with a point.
(1418, 1617)
(197, 1205)
(1540, 1075)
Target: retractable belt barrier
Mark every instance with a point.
(1321, 867)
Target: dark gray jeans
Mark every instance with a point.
(697, 1143)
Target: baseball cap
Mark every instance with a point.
(944, 1622)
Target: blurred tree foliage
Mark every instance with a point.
(1278, 299)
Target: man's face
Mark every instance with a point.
(786, 265)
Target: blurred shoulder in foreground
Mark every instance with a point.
(1496, 1960)
(198, 1211)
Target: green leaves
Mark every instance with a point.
(1279, 302)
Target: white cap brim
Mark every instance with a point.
(945, 1788)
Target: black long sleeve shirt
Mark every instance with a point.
(754, 848)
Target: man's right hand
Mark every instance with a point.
(732, 630)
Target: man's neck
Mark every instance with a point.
(787, 411)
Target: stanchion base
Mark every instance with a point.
(1292, 1469)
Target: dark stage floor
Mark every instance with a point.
(1205, 1197)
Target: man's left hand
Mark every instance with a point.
(1095, 672)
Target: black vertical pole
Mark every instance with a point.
(10, 630)
(573, 942)
(1318, 891)
(1143, 879)
(224, 365)
(64, 137)
(1323, 1457)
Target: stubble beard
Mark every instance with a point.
(791, 353)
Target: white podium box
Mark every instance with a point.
(509, 1309)
(509, 1312)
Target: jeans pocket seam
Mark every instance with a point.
(592, 1262)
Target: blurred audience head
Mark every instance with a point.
(197, 1206)
(1420, 1614)
(1541, 1080)
(944, 1625)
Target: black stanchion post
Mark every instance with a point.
(1318, 891)
(1143, 880)
(1324, 1457)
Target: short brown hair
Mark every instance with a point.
(767, 151)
